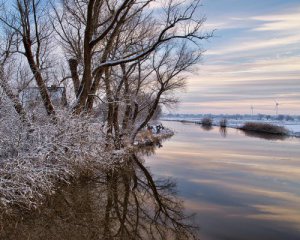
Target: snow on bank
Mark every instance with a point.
(35, 158)
(152, 135)
(292, 126)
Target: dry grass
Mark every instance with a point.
(264, 128)
(147, 138)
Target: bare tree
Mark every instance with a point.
(28, 20)
(105, 35)
(6, 44)
(168, 63)
(125, 54)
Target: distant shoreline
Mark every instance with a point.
(235, 125)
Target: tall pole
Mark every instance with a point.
(276, 108)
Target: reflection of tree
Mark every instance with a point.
(149, 150)
(140, 207)
(223, 131)
(124, 203)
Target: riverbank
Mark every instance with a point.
(126, 203)
(293, 128)
(35, 159)
(150, 138)
(33, 164)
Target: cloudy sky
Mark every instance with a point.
(254, 59)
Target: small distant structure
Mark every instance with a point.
(31, 97)
(276, 107)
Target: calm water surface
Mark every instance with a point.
(241, 187)
(122, 202)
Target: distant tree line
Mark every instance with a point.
(279, 117)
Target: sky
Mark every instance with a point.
(252, 60)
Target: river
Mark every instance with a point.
(240, 186)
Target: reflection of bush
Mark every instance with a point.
(223, 123)
(267, 136)
(264, 128)
(206, 128)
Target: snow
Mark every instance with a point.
(152, 134)
(235, 121)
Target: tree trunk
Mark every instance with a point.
(110, 104)
(84, 89)
(73, 65)
(148, 117)
(93, 90)
(39, 78)
(128, 108)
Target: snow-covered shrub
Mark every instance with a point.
(33, 159)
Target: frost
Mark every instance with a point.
(34, 159)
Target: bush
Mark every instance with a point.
(223, 123)
(264, 128)
(206, 122)
(289, 118)
(33, 161)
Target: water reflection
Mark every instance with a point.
(267, 136)
(207, 127)
(150, 149)
(123, 203)
(240, 187)
(223, 131)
